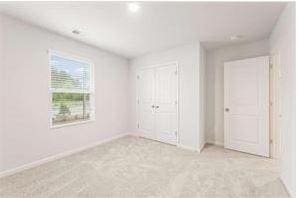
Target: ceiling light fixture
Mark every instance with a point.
(76, 32)
(236, 37)
(133, 7)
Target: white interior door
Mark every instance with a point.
(246, 102)
(146, 95)
(166, 103)
(158, 103)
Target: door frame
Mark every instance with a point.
(275, 108)
(178, 96)
(267, 115)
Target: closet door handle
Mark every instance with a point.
(156, 107)
(152, 106)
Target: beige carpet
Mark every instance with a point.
(133, 167)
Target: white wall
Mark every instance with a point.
(203, 96)
(215, 80)
(187, 57)
(282, 41)
(1, 96)
(27, 136)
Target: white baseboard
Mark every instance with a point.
(289, 191)
(178, 145)
(138, 134)
(202, 146)
(188, 148)
(134, 134)
(58, 156)
(217, 143)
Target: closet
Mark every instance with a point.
(157, 102)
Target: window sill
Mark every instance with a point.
(71, 124)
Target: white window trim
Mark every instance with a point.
(92, 88)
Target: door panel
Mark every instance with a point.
(146, 89)
(166, 103)
(246, 98)
(246, 124)
(158, 103)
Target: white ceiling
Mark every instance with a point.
(157, 25)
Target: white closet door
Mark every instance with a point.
(166, 103)
(246, 100)
(146, 89)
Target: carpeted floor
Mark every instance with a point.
(133, 167)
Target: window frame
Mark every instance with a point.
(91, 89)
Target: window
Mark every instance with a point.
(72, 90)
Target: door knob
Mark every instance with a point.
(156, 107)
(227, 109)
(152, 106)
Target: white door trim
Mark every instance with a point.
(275, 112)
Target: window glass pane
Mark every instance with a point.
(71, 90)
(70, 107)
(69, 74)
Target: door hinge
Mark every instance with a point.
(176, 72)
(176, 133)
(270, 66)
(138, 77)
(138, 126)
(271, 58)
(271, 141)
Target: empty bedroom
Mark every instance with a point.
(147, 99)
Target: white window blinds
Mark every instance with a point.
(71, 90)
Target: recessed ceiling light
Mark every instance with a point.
(133, 7)
(236, 37)
(77, 32)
